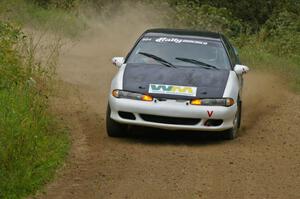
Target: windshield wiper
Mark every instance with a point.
(160, 60)
(193, 61)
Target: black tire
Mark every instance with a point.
(240, 113)
(113, 128)
(232, 133)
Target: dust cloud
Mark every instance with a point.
(263, 93)
(87, 63)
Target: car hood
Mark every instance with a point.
(208, 83)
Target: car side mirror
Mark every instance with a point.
(240, 69)
(118, 61)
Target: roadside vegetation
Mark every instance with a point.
(38, 16)
(33, 144)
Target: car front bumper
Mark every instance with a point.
(174, 109)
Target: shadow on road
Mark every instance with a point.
(159, 136)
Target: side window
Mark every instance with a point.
(236, 55)
(231, 52)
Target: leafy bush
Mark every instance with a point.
(31, 144)
(282, 34)
(207, 18)
(254, 13)
(64, 4)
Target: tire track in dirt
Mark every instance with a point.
(264, 162)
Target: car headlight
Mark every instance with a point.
(213, 102)
(131, 95)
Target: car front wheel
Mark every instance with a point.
(113, 128)
(233, 132)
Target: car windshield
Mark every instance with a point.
(178, 51)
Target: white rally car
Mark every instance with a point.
(177, 79)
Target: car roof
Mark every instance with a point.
(185, 32)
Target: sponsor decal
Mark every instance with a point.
(210, 113)
(146, 39)
(178, 41)
(173, 90)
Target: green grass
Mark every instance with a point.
(287, 68)
(33, 144)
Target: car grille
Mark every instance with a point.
(170, 120)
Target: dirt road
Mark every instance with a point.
(264, 162)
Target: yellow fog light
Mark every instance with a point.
(196, 102)
(146, 98)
